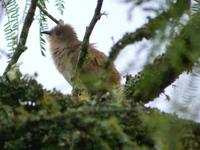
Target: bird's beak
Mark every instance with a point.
(46, 32)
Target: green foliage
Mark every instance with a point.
(25, 11)
(12, 26)
(15, 92)
(43, 26)
(60, 4)
(35, 118)
(173, 133)
(61, 122)
(181, 53)
(58, 121)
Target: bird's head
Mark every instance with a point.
(61, 34)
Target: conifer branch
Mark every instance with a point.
(23, 36)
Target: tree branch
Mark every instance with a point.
(148, 30)
(128, 38)
(89, 29)
(47, 14)
(23, 36)
(181, 54)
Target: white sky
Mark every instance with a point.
(78, 13)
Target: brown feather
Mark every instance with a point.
(65, 48)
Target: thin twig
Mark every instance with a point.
(89, 29)
(23, 36)
(47, 14)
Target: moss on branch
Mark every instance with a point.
(180, 56)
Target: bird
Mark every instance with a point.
(65, 48)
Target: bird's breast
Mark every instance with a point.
(63, 62)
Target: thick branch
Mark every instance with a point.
(128, 38)
(23, 36)
(148, 30)
(47, 14)
(89, 29)
(181, 54)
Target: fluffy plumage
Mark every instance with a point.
(65, 48)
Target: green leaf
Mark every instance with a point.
(12, 26)
(43, 26)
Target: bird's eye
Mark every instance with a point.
(58, 32)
